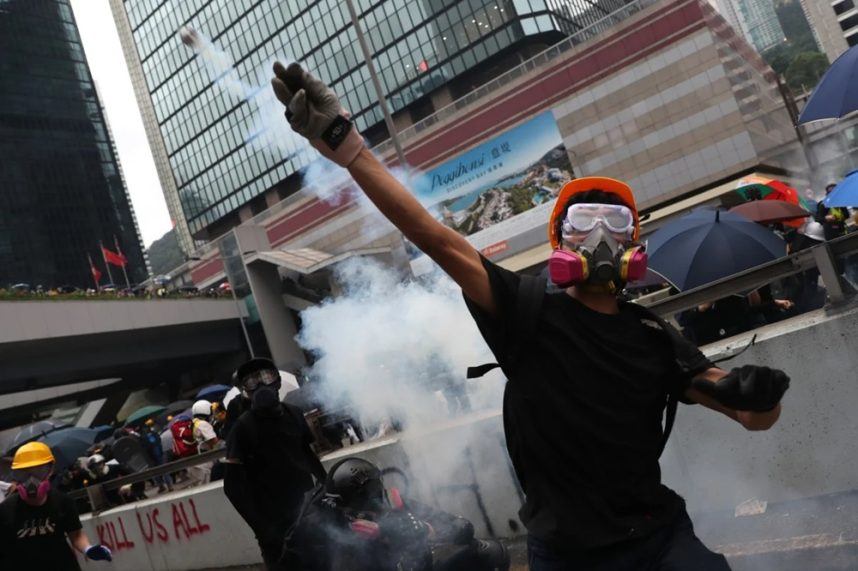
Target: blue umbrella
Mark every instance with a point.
(213, 392)
(845, 194)
(708, 245)
(836, 94)
(68, 444)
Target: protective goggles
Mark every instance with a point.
(256, 378)
(36, 473)
(584, 217)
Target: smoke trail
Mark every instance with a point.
(269, 130)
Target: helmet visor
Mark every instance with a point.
(256, 378)
(584, 217)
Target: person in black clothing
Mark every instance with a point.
(269, 463)
(100, 472)
(588, 377)
(235, 408)
(37, 523)
(833, 220)
(352, 523)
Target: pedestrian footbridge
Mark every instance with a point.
(53, 343)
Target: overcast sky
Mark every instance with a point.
(104, 53)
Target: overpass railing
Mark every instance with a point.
(96, 493)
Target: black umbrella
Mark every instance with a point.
(706, 246)
(68, 444)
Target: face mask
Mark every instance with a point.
(34, 484)
(600, 260)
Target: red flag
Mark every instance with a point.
(96, 275)
(113, 257)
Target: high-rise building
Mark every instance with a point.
(202, 112)
(61, 189)
(755, 19)
(834, 25)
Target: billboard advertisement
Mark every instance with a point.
(487, 192)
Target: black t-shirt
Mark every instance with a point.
(34, 537)
(582, 413)
(276, 454)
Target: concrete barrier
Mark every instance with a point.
(462, 467)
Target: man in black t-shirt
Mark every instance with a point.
(269, 462)
(38, 523)
(588, 377)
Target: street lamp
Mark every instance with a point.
(367, 56)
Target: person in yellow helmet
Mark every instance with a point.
(38, 523)
(589, 377)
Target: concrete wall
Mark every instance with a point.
(463, 466)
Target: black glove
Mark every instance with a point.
(403, 528)
(753, 388)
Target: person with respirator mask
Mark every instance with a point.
(588, 377)
(269, 463)
(37, 522)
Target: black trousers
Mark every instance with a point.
(674, 548)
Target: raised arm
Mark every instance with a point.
(314, 112)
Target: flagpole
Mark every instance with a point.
(91, 267)
(119, 251)
(106, 265)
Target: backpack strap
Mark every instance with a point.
(531, 292)
(672, 404)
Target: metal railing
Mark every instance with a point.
(95, 493)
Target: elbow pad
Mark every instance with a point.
(751, 388)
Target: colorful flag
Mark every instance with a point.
(96, 275)
(113, 257)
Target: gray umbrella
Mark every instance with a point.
(35, 431)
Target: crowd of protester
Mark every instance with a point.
(24, 292)
(784, 298)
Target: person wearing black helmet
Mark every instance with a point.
(352, 523)
(269, 462)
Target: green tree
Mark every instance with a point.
(165, 254)
(805, 70)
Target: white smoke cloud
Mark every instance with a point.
(384, 343)
(384, 346)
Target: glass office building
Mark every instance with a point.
(427, 54)
(61, 190)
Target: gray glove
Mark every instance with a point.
(314, 112)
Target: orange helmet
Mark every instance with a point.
(576, 186)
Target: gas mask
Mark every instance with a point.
(600, 261)
(263, 387)
(33, 484)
